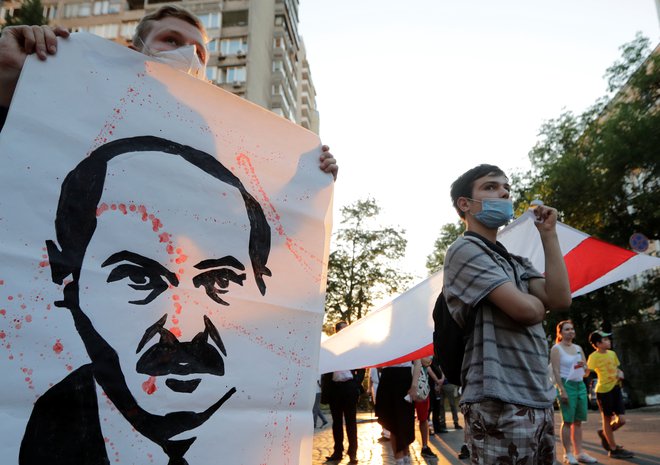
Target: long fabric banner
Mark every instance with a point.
(162, 268)
(403, 329)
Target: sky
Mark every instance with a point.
(412, 93)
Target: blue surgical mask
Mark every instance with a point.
(494, 212)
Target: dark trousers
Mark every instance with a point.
(437, 411)
(343, 408)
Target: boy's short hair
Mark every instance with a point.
(597, 336)
(340, 325)
(144, 26)
(462, 187)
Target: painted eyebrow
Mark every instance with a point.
(216, 262)
(145, 262)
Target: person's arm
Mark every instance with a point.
(554, 291)
(16, 43)
(555, 358)
(412, 391)
(526, 309)
(328, 162)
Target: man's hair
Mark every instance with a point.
(146, 23)
(560, 326)
(81, 192)
(339, 324)
(463, 186)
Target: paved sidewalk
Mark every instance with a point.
(640, 436)
(371, 452)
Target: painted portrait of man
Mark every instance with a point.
(162, 277)
(144, 301)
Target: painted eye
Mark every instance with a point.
(216, 282)
(140, 279)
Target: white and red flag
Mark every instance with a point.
(402, 329)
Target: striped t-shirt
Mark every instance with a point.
(503, 360)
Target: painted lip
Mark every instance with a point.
(178, 385)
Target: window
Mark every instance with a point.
(50, 12)
(101, 7)
(233, 46)
(212, 45)
(107, 31)
(128, 29)
(235, 74)
(212, 73)
(84, 9)
(210, 20)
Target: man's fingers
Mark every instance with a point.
(61, 32)
(40, 41)
(29, 41)
(50, 38)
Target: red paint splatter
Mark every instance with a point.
(170, 249)
(3, 312)
(164, 237)
(176, 331)
(156, 224)
(149, 386)
(113, 207)
(177, 307)
(28, 318)
(58, 347)
(132, 207)
(101, 208)
(69, 368)
(181, 258)
(11, 297)
(122, 208)
(2, 335)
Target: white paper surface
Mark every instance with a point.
(174, 217)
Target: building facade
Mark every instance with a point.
(255, 49)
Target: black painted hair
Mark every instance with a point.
(81, 191)
(462, 187)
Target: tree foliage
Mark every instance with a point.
(31, 13)
(448, 234)
(600, 170)
(361, 267)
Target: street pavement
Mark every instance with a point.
(641, 435)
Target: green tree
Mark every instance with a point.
(31, 13)
(448, 234)
(361, 266)
(600, 170)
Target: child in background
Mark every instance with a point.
(608, 392)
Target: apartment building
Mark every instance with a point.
(255, 49)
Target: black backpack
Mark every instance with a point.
(449, 341)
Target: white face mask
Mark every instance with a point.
(183, 58)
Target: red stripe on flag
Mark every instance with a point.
(426, 351)
(591, 259)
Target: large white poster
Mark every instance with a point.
(162, 279)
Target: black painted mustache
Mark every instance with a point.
(169, 356)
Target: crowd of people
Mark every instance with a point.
(509, 377)
(506, 393)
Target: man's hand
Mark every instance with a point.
(16, 43)
(546, 218)
(328, 162)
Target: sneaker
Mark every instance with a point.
(442, 431)
(427, 452)
(621, 453)
(603, 440)
(586, 458)
(353, 460)
(333, 458)
(457, 426)
(464, 453)
(570, 459)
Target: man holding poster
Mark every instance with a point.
(185, 232)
